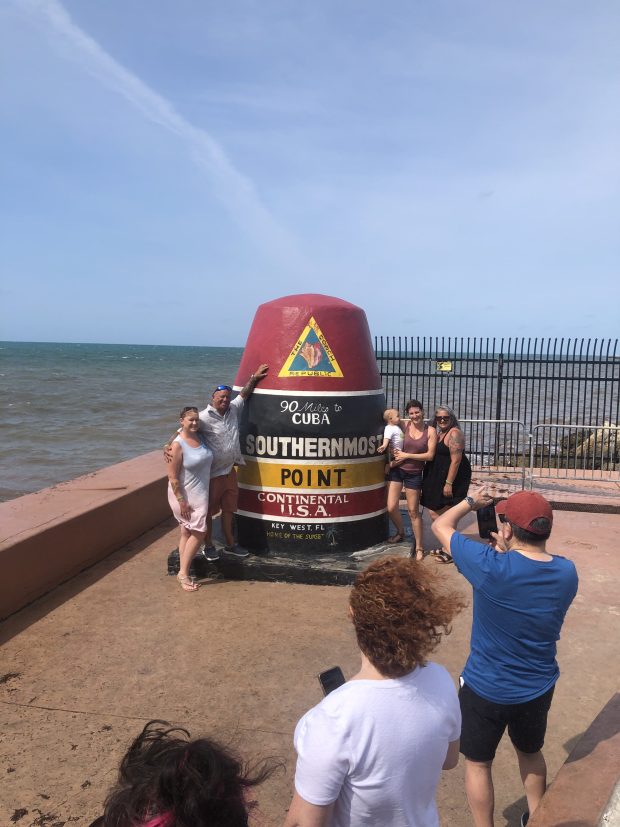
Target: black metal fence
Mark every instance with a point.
(517, 383)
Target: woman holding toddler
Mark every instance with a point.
(418, 446)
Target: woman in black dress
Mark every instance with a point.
(446, 479)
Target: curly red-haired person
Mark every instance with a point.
(373, 750)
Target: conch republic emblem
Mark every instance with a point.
(312, 481)
(311, 356)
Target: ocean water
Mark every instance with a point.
(69, 409)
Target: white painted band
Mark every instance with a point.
(316, 491)
(334, 393)
(276, 518)
(295, 461)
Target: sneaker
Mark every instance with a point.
(525, 817)
(236, 551)
(210, 553)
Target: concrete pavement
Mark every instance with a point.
(83, 668)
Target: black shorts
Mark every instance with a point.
(484, 723)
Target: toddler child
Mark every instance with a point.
(392, 434)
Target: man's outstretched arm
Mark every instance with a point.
(256, 377)
(445, 525)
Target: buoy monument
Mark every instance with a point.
(312, 480)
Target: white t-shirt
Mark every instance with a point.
(376, 748)
(395, 435)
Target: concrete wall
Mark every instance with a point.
(584, 792)
(49, 536)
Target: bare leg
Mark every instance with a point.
(480, 792)
(393, 506)
(215, 497)
(534, 776)
(189, 545)
(182, 542)
(434, 515)
(413, 503)
(227, 527)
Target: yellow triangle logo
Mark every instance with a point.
(311, 356)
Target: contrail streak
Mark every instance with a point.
(233, 189)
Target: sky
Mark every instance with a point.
(452, 167)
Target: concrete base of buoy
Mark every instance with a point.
(322, 569)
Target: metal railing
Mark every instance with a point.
(575, 452)
(513, 386)
(522, 380)
(550, 451)
(497, 444)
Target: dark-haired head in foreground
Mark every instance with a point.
(168, 780)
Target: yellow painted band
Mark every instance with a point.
(294, 475)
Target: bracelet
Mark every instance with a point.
(449, 483)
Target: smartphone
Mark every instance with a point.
(331, 679)
(487, 521)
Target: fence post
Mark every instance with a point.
(498, 404)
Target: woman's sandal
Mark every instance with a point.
(416, 554)
(444, 557)
(395, 538)
(187, 584)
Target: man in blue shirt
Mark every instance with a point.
(521, 596)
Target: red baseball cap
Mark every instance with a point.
(522, 508)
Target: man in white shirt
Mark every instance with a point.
(219, 422)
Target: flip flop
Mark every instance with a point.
(187, 584)
(444, 557)
(395, 538)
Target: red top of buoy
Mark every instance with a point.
(311, 343)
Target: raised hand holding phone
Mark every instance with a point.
(487, 521)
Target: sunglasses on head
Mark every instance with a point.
(188, 409)
(223, 388)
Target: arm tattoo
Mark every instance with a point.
(249, 386)
(246, 390)
(177, 490)
(456, 441)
